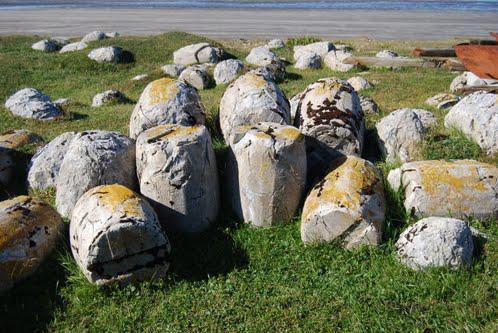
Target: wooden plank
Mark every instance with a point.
(467, 90)
(392, 62)
(448, 52)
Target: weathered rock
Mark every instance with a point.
(309, 60)
(166, 101)
(294, 105)
(252, 99)
(176, 167)
(173, 70)
(368, 105)
(347, 205)
(334, 61)
(94, 36)
(227, 71)
(476, 115)
(46, 45)
(30, 103)
(29, 231)
(116, 237)
(61, 41)
(275, 44)
(112, 34)
(319, 48)
(61, 103)
(106, 54)
(15, 139)
(442, 101)
(108, 96)
(140, 77)
(265, 72)
(436, 242)
(44, 166)
(359, 83)
(197, 54)
(94, 158)
(197, 76)
(386, 54)
(343, 47)
(438, 188)
(74, 47)
(267, 173)
(261, 56)
(468, 79)
(401, 132)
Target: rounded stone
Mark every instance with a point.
(334, 61)
(197, 76)
(197, 54)
(18, 138)
(436, 242)
(319, 48)
(166, 101)
(348, 205)
(267, 173)
(465, 80)
(31, 103)
(72, 47)
(176, 167)
(309, 61)
(94, 36)
(227, 71)
(94, 158)
(140, 77)
(262, 56)
(116, 237)
(275, 44)
(359, 83)
(107, 97)
(368, 105)
(252, 99)
(106, 54)
(173, 70)
(46, 45)
(29, 230)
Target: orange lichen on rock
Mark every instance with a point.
(118, 197)
(162, 90)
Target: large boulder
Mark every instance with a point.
(335, 61)
(72, 47)
(442, 101)
(401, 133)
(476, 115)
(261, 56)
(439, 188)
(267, 173)
(108, 97)
(436, 242)
(30, 103)
(197, 54)
(46, 45)
(43, 169)
(319, 48)
(227, 71)
(347, 205)
(359, 83)
(252, 99)
(94, 158)
(173, 70)
(166, 101)
(176, 167)
(29, 230)
(94, 36)
(106, 54)
(309, 61)
(197, 76)
(116, 237)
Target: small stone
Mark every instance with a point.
(197, 76)
(31, 103)
(309, 61)
(275, 44)
(61, 41)
(267, 173)
(108, 97)
(29, 231)
(456, 189)
(442, 101)
(173, 70)
(359, 83)
(197, 54)
(166, 101)
(176, 167)
(46, 45)
(401, 132)
(227, 71)
(436, 242)
(116, 237)
(74, 47)
(140, 77)
(347, 205)
(61, 103)
(106, 54)
(468, 79)
(112, 34)
(334, 60)
(386, 54)
(94, 36)
(16, 139)
(319, 48)
(261, 56)
(368, 105)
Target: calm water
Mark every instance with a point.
(481, 5)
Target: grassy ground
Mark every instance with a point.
(235, 278)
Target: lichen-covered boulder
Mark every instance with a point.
(386, 54)
(261, 56)
(347, 205)
(29, 230)
(46, 45)
(106, 54)
(476, 115)
(368, 105)
(401, 133)
(166, 101)
(94, 36)
(173, 70)
(227, 71)
(319, 48)
(107, 97)
(30, 103)
(267, 173)
(436, 242)
(43, 169)
(275, 44)
(116, 237)
(442, 101)
(197, 76)
(359, 83)
(15, 139)
(197, 54)
(335, 61)
(94, 158)
(252, 99)
(309, 61)
(456, 189)
(72, 47)
(177, 171)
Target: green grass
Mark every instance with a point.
(236, 278)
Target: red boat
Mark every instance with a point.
(480, 58)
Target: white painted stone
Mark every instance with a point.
(31, 103)
(227, 71)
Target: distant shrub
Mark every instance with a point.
(302, 40)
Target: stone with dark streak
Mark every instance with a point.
(197, 54)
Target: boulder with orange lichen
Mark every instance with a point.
(348, 205)
(266, 173)
(177, 171)
(440, 188)
(166, 101)
(116, 237)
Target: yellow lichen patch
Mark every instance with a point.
(184, 131)
(162, 90)
(118, 196)
(289, 132)
(253, 80)
(262, 135)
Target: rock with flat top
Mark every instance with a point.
(197, 54)
(31, 103)
(15, 139)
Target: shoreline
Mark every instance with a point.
(252, 23)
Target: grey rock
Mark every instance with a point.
(197, 76)
(15, 139)
(94, 36)
(442, 101)
(261, 56)
(386, 54)
(368, 105)
(140, 77)
(227, 71)
(319, 48)
(469, 79)
(30, 103)
(46, 45)
(359, 83)
(61, 41)
(106, 54)
(73, 47)
(275, 44)
(108, 96)
(334, 60)
(309, 61)
(61, 103)
(173, 70)
(197, 54)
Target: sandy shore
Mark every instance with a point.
(219, 23)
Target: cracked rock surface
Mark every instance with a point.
(29, 229)
(116, 237)
(436, 242)
(166, 101)
(197, 76)
(262, 56)
(252, 99)
(348, 205)
(227, 71)
(309, 61)
(176, 167)
(476, 115)
(31, 103)
(368, 105)
(94, 158)
(440, 188)
(267, 173)
(197, 54)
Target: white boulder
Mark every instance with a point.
(197, 54)
(173, 70)
(94, 36)
(46, 45)
(335, 61)
(31, 103)
(442, 101)
(196, 75)
(309, 61)
(106, 54)
(319, 48)
(359, 83)
(107, 97)
(73, 47)
(261, 56)
(227, 71)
